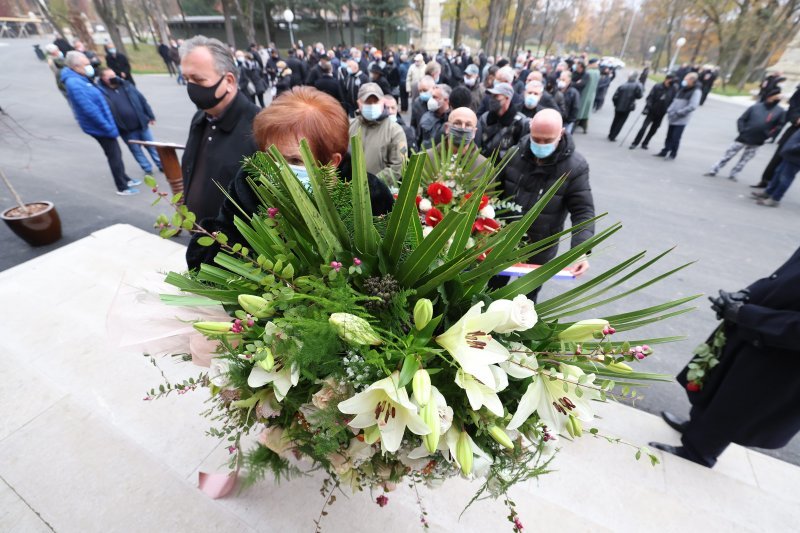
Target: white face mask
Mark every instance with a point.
(561, 84)
(433, 105)
(469, 82)
(302, 175)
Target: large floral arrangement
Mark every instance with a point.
(364, 347)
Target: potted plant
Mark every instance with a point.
(36, 222)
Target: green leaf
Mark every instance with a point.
(176, 198)
(410, 366)
(431, 246)
(205, 241)
(366, 237)
(322, 197)
(404, 209)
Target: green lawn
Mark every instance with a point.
(146, 60)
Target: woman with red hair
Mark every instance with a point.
(302, 113)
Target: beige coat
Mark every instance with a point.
(385, 146)
(415, 74)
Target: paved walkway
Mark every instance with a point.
(83, 453)
(661, 204)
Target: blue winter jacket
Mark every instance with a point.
(89, 105)
(144, 113)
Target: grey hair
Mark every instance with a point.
(50, 48)
(534, 84)
(221, 53)
(73, 58)
(633, 76)
(446, 89)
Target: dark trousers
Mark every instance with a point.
(114, 155)
(704, 95)
(616, 125)
(699, 444)
(674, 134)
(654, 122)
(776, 159)
(403, 98)
(170, 66)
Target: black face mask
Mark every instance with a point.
(495, 106)
(204, 97)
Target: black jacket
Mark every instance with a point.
(242, 195)
(144, 113)
(205, 162)
(790, 151)
(527, 178)
(299, 70)
(352, 83)
(759, 122)
(626, 95)
(751, 397)
(328, 84)
(572, 104)
(120, 65)
(500, 133)
(658, 100)
(545, 102)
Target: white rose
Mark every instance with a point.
(518, 314)
(488, 211)
(426, 231)
(274, 439)
(425, 205)
(218, 372)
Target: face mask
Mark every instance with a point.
(433, 104)
(371, 111)
(393, 118)
(531, 100)
(495, 106)
(684, 83)
(349, 70)
(424, 97)
(112, 51)
(88, 70)
(461, 135)
(469, 82)
(240, 59)
(302, 175)
(561, 84)
(204, 97)
(542, 151)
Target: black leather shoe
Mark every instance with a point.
(674, 422)
(632, 147)
(660, 154)
(677, 451)
(759, 185)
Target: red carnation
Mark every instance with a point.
(433, 217)
(484, 200)
(440, 193)
(419, 199)
(693, 386)
(485, 225)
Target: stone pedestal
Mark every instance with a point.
(431, 27)
(789, 64)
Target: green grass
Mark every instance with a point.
(146, 60)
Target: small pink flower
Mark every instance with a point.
(639, 356)
(231, 449)
(382, 500)
(517, 523)
(272, 212)
(646, 349)
(356, 261)
(336, 265)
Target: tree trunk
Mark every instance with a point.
(265, 20)
(497, 13)
(327, 27)
(244, 15)
(699, 42)
(45, 11)
(515, 28)
(457, 30)
(159, 18)
(105, 10)
(340, 24)
(352, 29)
(124, 15)
(77, 24)
(544, 26)
(226, 12)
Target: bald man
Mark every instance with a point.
(459, 132)
(543, 157)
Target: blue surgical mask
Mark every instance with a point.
(372, 111)
(684, 83)
(543, 150)
(424, 97)
(89, 71)
(531, 100)
(349, 70)
(112, 51)
(302, 175)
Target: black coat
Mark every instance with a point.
(501, 133)
(205, 162)
(658, 100)
(760, 122)
(242, 195)
(752, 397)
(330, 85)
(527, 178)
(120, 65)
(299, 70)
(572, 104)
(626, 95)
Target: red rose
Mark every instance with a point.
(693, 386)
(433, 217)
(485, 225)
(440, 193)
(419, 199)
(484, 200)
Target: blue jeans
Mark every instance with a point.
(674, 134)
(782, 179)
(136, 149)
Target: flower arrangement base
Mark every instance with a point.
(41, 225)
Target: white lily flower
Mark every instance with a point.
(481, 460)
(479, 394)
(522, 364)
(518, 314)
(282, 379)
(471, 345)
(387, 405)
(445, 413)
(554, 406)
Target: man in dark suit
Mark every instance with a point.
(220, 135)
(751, 396)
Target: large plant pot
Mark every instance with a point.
(41, 226)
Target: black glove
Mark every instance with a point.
(727, 304)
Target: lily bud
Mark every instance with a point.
(354, 330)
(421, 386)
(213, 328)
(574, 427)
(583, 331)
(430, 415)
(268, 361)
(501, 437)
(255, 305)
(622, 368)
(464, 453)
(372, 434)
(423, 313)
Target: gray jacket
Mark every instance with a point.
(683, 105)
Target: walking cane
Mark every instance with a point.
(638, 116)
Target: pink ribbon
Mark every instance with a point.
(202, 349)
(217, 485)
